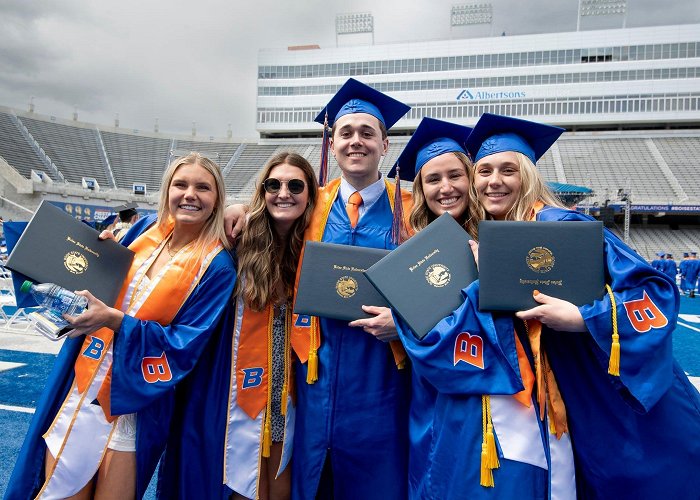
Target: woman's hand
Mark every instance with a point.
(97, 315)
(234, 221)
(107, 235)
(555, 313)
(475, 251)
(381, 325)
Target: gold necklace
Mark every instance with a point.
(170, 252)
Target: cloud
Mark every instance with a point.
(183, 61)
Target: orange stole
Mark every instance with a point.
(306, 340)
(547, 388)
(161, 305)
(253, 346)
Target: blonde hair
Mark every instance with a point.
(264, 258)
(532, 190)
(421, 215)
(213, 229)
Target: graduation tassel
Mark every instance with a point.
(614, 364)
(267, 437)
(267, 433)
(323, 170)
(283, 407)
(489, 454)
(486, 473)
(397, 221)
(312, 367)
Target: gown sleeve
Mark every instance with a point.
(150, 359)
(646, 306)
(468, 352)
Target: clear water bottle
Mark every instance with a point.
(54, 301)
(56, 298)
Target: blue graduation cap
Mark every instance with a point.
(356, 97)
(431, 139)
(686, 254)
(694, 254)
(660, 254)
(496, 134)
(109, 220)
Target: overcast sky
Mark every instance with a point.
(184, 61)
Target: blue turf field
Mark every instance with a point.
(20, 384)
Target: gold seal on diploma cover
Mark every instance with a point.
(540, 259)
(438, 275)
(346, 286)
(75, 262)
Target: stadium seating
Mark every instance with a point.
(655, 166)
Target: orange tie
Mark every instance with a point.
(353, 208)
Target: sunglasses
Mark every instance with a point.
(273, 186)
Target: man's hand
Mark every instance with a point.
(381, 325)
(234, 221)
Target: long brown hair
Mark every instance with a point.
(213, 228)
(421, 215)
(261, 267)
(532, 189)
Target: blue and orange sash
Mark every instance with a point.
(161, 304)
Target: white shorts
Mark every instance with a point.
(124, 435)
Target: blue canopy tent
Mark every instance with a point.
(570, 194)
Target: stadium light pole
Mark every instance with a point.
(352, 23)
(601, 8)
(626, 196)
(469, 14)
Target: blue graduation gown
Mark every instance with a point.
(357, 411)
(636, 435)
(446, 408)
(193, 463)
(183, 341)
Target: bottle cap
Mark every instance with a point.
(26, 286)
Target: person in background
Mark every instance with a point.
(633, 416)
(102, 421)
(658, 263)
(692, 272)
(462, 405)
(233, 426)
(670, 268)
(682, 269)
(127, 218)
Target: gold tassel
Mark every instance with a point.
(401, 365)
(489, 457)
(283, 402)
(491, 452)
(267, 439)
(312, 367)
(486, 472)
(614, 364)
